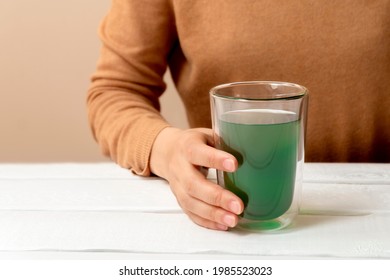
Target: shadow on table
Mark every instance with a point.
(308, 219)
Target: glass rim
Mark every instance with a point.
(299, 93)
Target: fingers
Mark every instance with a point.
(208, 133)
(212, 194)
(208, 215)
(204, 155)
(182, 158)
(216, 215)
(206, 223)
(208, 204)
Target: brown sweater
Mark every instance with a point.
(339, 50)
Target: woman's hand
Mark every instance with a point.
(178, 156)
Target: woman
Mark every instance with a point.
(339, 50)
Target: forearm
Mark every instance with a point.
(125, 127)
(123, 98)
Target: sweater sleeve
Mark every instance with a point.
(123, 106)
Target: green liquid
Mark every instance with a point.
(267, 156)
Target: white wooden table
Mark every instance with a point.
(102, 211)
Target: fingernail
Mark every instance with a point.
(229, 220)
(222, 227)
(228, 164)
(235, 207)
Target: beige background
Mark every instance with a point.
(48, 50)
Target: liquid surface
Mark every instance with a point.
(265, 144)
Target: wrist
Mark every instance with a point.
(162, 149)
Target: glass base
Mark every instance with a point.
(266, 225)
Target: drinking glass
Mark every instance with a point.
(262, 124)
